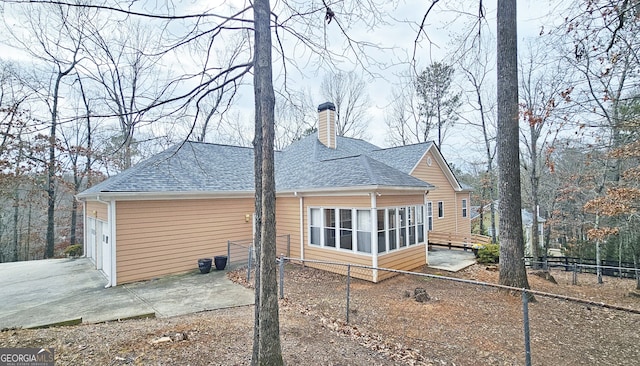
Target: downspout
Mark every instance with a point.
(301, 224)
(84, 227)
(112, 220)
(425, 228)
(374, 236)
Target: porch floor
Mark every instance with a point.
(451, 260)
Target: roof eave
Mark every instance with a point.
(132, 196)
(345, 191)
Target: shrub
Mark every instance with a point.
(73, 250)
(489, 253)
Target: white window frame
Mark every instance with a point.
(429, 216)
(355, 228)
(441, 209)
(464, 208)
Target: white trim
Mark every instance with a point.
(425, 228)
(374, 236)
(133, 196)
(329, 191)
(301, 227)
(112, 226)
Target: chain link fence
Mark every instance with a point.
(242, 252)
(554, 323)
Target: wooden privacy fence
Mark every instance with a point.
(456, 240)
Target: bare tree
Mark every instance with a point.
(58, 31)
(545, 94)
(126, 71)
(347, 91)
(403, 116)
(476, 67)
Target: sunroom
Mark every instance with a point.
(384, 237)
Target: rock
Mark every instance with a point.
(407, 293)
(182, 336)
(161, 340)
(634, 293)
(492, 268)
(421, 295)
(545, 275)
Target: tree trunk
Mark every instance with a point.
(74, 220)
(51, 171)
(512, 270)
(269, 349)
(16, 210)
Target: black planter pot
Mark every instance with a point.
(204, 264)
(220, 262)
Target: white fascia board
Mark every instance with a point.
(351, 191)
(140, 196)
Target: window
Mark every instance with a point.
(364, 231)
(411, 224)
(440, 209)
(420, 222)
(352, 229)
(464, 208)
(382, 233)
(346, 232)
(402, 213)
(430, 216)
(392, 228)
(329, 227)
(314, 226)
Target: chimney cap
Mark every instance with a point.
(325, 106)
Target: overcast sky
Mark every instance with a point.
(446, 20)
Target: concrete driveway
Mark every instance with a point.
(37, 293)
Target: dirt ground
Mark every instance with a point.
(461, 324)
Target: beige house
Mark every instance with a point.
(340, 199)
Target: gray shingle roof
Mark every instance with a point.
(192, 167)
(403, 158)
(305, 165)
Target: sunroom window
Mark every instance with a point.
(364, 231)
(329, 227)
(352, 229)
(314, 226)
(382, 240)
(346, 232)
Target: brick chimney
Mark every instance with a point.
(327, 124)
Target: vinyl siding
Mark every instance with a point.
(288, 222)
(464, 223)
(399, 200)
(452, 222)
(156, 238)
(333, 255)
(97, 210)
(406, 259)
